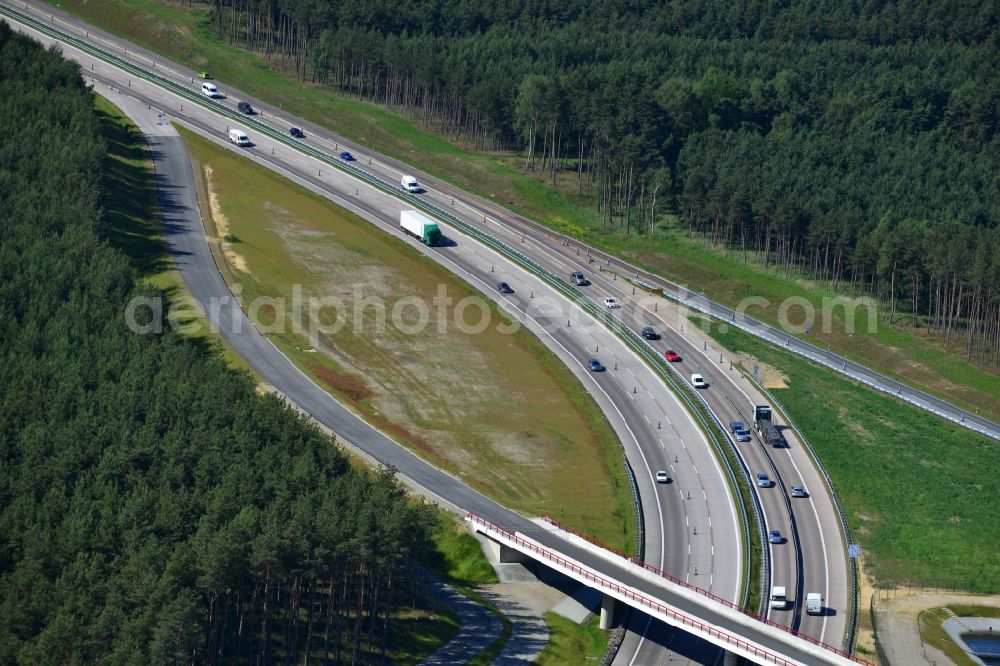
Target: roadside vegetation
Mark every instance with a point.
(731, 106)
(154, 502)
(498, 409)
(918, 492)
(572, 643)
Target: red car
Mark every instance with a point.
(672, 356)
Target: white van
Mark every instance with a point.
(410, 184)
(778, 599)
(209, 90)
(814, 603)
(239, 137)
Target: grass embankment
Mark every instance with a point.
(920, 494)
(497, 409)
(133, 225)
(184, 34)
(572, 643)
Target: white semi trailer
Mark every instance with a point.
(420, 227)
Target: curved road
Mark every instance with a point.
(730, 396)
(200, 273)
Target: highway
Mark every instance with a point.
(689, 502)
(195, 261)
(814, 559)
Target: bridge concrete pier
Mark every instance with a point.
(729, 659)
(607, 612)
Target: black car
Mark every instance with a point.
(649, 333)
(297, 133)
(245, 107)
(504, 288)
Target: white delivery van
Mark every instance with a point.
(778, 599)
(814, 603)
(239, 137)
(209, 90)
(410, 184)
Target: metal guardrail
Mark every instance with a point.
(845, 528)
(640, 522)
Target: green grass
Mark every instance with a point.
(456, 557)
(416, 634)
(497, 409)
(972, 610)
(920, 494)
(132, 224)
(184, 34)
(572, 643)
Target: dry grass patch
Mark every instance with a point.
(497, 409)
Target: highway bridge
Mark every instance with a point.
(560, 256)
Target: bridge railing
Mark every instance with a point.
(648, 602)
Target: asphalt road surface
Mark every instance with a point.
(195, 261)
(806, 564)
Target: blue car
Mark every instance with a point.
(346, 156)
(595, 365)
(774, 536)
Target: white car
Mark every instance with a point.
(698, 381)
(611, 303)
(661, 477)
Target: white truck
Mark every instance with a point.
(814, 603)
(209, 90)
(239, 137)
(778, 599)
(410, 184)
(420, 227)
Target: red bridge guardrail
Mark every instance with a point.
(644, 600)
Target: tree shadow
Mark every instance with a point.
(130, 221)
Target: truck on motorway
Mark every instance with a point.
(814, 603)
(778, 599)
(762, 421)
(410, 184)
(239, 137)
(420, 227)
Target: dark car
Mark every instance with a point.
(738, 428)
(774, 536)
(595, 365)
(649, 333)
(504, 288)
(244, 107)
(346, 156)
(297, 133)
